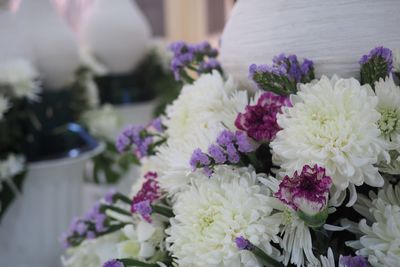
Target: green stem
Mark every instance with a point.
(136, 263)
(165, 211)
(119, 210)
(112, 229)
(265, 257)
(123, 198)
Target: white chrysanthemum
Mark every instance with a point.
(102, 122)
(194, 120)
(216, 210)
(133, 241)
(328, 260)
(21, 77)
(380, 231)
(4, 106)
(333, 123)
(296, 241)
(11, 166)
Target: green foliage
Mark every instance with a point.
(373, 70)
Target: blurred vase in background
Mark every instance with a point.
(334, 34)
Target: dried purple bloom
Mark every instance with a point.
(113, 263)
(243, 244)
(144, 209)
(156, 124)
(225, 138)
(90, 235)
(100, 223)
(356, 261)
(233, 154)
(376, 65)
(379, 52)
(307, 191)
(259, 121)
(217, 153)
(81, 228)
(109, 197)
(244, 143)
(199, 159)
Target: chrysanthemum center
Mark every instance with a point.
(207, 219)
(389, 121)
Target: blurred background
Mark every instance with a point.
(73, 74)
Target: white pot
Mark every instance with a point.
(55, 49)
(334, 33)
(117, 33)
(31, 226)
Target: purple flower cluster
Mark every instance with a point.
(149, 193)
(356, 261)
(379, 53)
(243, 244)
(139, 138)
(113, 263)
(227, 149)
(307, 191)
(88, 227)
(259, 121)
(197, 57)
(284, 74)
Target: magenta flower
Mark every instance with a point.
(307, 192)
(259, 121)
(149, 193)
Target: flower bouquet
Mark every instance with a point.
(304, 172)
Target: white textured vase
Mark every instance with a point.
(117, 33)
(31, 226)
(55, 50)
(332, 33)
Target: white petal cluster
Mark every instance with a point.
(333, 123)
(380, 231)
(133, 241)
(21, 77)
(102, 122)
(194, 120)
(11, 166)
(216, 210)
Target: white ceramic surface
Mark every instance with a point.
(55, 50)
(51, 196)
(332, 33)
(117, 33)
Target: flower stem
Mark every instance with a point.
(123, 198)
(136, 263)
(265, 258)
(165, 211)
(116, 209)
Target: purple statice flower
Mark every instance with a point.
(307, 191)
(109, 197)
(113, 263)
(217, 153)
(382, 53)
(354, 261)
(243, 244)
(81, 228)
(150, 192)
(100, 223)
(157, 125)
(64, 240)
(260, 121)
(199, 159)
(144, 209)
(233, 154)
(225, 138)
(244, 143)
(90, 235)
(209, 65)
(129, 135)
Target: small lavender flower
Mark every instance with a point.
(157, 125)
(245, 145)
(100, 223)
(377, 64)
(243, 244)
(356, 261)
(199, 159)
(90, 235)
(64, 240)
(81, 228)
(217, 153)
(284, 74)
(113, 263)
(109, 197)
(144, 209)
(233, 154)
(225, 138)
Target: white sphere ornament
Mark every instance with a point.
(55, 49)
(117, 33)
(333, 33)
